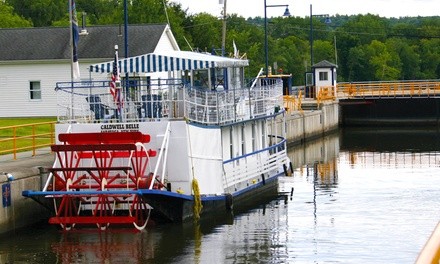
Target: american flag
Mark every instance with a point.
(115, 84)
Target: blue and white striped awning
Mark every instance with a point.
(172, 61)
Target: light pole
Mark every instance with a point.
(327, 21)
(286, 13)
(224, 28)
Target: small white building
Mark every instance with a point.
(324, 75)
(33, 60)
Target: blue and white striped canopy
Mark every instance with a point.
(172, 61)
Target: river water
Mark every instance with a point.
(357, 196)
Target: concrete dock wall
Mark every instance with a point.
(302, 125)
(17, 211)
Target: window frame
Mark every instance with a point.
(35, 94)
(323, 76)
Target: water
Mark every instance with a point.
(361, 196)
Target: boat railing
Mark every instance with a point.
(96, 102)
(139, 100)
(232, 105)
(258, 163)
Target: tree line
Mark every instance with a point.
(365, 47)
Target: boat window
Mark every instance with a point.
(263, 134)
(186, 77)
(201, 78)
(133, 88)
(220, 79)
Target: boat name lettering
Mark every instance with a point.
(119, 127)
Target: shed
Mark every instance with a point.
(324, 75)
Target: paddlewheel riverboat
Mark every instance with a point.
(169, 149)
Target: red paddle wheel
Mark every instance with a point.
(97, 177)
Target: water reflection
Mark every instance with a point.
(375, 196)
(108, 247)
(353, 197)
(316, 161)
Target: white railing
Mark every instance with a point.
(92, 102)
(221, 107)
(254, 165)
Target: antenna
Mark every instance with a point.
(223, 26)
(188, 43)
(166, 12)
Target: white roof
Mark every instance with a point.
(171, 61)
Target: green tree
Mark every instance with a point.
(205, 30)
(357, 65)
(410, 60)
(346, 60)
(430, 58)
(147, 11)
(366, 28)
(323, 50)
(357, 31)
(292, 56)
(429, 28)
(249, 42)
(8, 19)
(386, 63)
(40, 12)
(139, 12)
(98, 10)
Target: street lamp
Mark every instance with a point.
(327, 21)
(286, 13)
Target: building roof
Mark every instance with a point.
(324, 64)
(51, 43)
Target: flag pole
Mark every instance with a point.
(71, 60)
(74, 39)
(71, 40)
(117, 85)
(126, 91)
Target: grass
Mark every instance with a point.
(23, 134)
(4, 122)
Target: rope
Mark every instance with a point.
(197, 201)
(197, 208)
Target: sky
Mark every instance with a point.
(254, 8)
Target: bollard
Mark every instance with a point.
(44, 174)
(9, 177)
(6, 190)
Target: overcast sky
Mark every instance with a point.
(253, 8)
